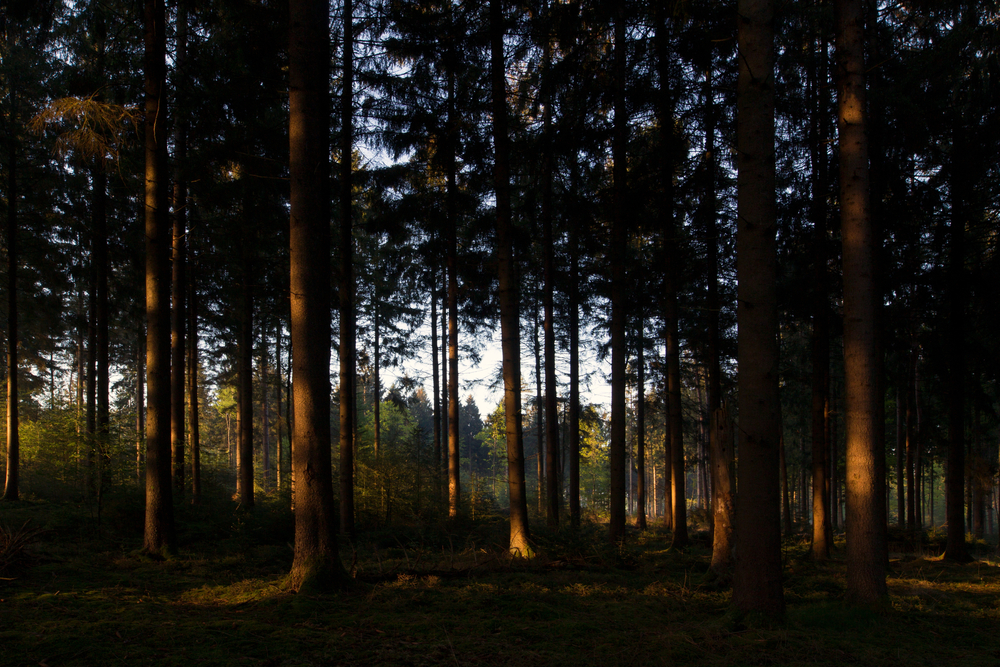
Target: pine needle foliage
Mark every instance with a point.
(93, 129)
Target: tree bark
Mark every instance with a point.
(158, 535)
(640, 429)
(955, 547)
(316, 564)
(574, 380)
(192, 314)
(179, 253)
(616, 248)
(866, 523)
(757, 581)
(245, 473)
(508, 292)
(348, 343)
(12, 481)
(723, 494)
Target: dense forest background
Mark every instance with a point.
(621, 130)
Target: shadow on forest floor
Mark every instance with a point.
(74, 592)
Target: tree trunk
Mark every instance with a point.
(757, 581)
(316, 565)
(723, 494)
(539, 416)
(508, 291)
(179, 251)
(786, 510)
(616, 251)
(140, 421)
(574, 380)
(12, 480)
(819, 341)
(866, 526)
(548, 324)
(640, 429)
(436, 467)
(244, 371)
(192, 312)
(348, 343)
(159, 527)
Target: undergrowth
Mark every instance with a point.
(77, 592)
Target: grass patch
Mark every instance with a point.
(434, 596)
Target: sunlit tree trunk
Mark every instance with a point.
(12, 479)
(757, 580)
(866, 522)
(316, 564)
(508, 291)
(159, 529)
(436, 467)
(640, 430)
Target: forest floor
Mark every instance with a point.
(77, 592)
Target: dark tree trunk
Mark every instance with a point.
(436, 479)
(348, 343)
(159, 529)
(640, 430)
(245, 395)
(617, 245)
(548, 325)
(955, 548)
(508, 291)
(316, 564)
(192, 313)
(723, 494)
(820, 337)
(179, 265)
(574, 380)
(757, 581)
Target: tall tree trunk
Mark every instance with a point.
(12, 479)
(178, 287)
(91, 425)
(668, 231)
(955, 548)
(245, 398)
(140, 421)
(265, 415)
(820, 337)
(786, 510)
(539, 416)
(757, 581)
(316, 564)
(574, 380)
(866, 525)
(617, 245)
(443, 471)
(723, 494)
(348, 343)
(640, 429)
(911, 495)
(436, 479)
(508, 291)
(159, 528)
(192, 313)
(548, 298)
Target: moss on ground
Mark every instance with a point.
(83, 595)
